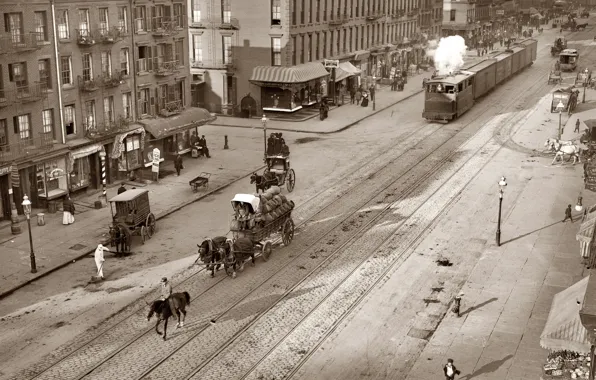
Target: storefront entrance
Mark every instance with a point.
(5, 203)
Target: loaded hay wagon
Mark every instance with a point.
(258, 217)
(131, 215)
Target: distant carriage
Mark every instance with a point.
(583, 78)
(555, 77)
(568, 97)
(278, 171)
(131, 215)
(568, 59)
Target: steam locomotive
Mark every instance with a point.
(449, 96)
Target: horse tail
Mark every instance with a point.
(187, 296)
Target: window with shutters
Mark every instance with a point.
(22, 124)
(106, 63)
(178, 15)
(41, 25)
(144, 60)
(196, 10)
(87, 67)
(123, 19)
(90, 120)
(66, 70)
(276, 51)
(45, 76)
(62, 22)
(3, 133)
(144, 99)
(275, 12)
(84, 30)
(104, 24)
(124, 62)
(18, 74)
(127, 105)
(70, 120)
(13, 25)
(108, 110)
(140, 19)
(47, 122)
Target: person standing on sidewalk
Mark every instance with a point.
(352, 95)
(450, 370)
(178, 164)
(568, 214)
(577, 123)
(69, 210)
(99, 259)
(358, 96)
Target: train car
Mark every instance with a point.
(485, 74)
(503, 67)
(448, 97)
(516, 59)
(531, 47)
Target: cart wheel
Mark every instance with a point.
(288, 232)
(151, 225)
(266, 250)
(144, 234)
(291, 180)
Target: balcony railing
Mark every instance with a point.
(20, 43)
(25, 148)
(164, 68)
(228, 64)
(165, 26)
(88, 85)
(111, 35)
(29, 93)
(112, 80)
(101, 130)
(169, 107)
(86, 37)
(231, 23)
(374, 15)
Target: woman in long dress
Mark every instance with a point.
(69, 210)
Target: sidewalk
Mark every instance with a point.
(56, 245)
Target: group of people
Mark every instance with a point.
(277, 145)
(360, 96)
(199, 144)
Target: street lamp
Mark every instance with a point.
(560, 107)
(375, 92)
(502, 185)
(264, 122)
(27, 209)
(579, 206)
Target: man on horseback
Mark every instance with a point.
(166, 289)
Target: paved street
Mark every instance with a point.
(358, 293)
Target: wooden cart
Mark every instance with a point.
(201, 181)
(131, 215)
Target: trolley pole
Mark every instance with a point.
(502, 184)
(104, 193)
(264, 122)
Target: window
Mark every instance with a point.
(308, 47)
(452, 15)
(22, 126)
(178, 16)
(302, 12)
(294, 49)
(179, 52)
(318, 11)
(302, 47)
(196, 10)
(47, 121)
(66, 70)
(123, 19)
(45, 76)
(310, 11)
(106, 63)
(293, 12)
(70, 120)
(140, 19)
(144, 98)
(133, 152)
(87, 67)
(13, 24)
(3, 133)
(144, 62)
(90, 121)
(62, 22)
(276, 51)
(41, 26)
(104, 26)
(17, 73)
(108, 110)
(84, 23)
(124, 62)
(226, 11)
(275, 12)
(317, 46)
(127, 105)
(227, 49)
(197, 48)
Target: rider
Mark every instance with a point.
(166, 289)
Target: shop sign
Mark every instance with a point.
(500, 12)
(331, 63)
(155, 164)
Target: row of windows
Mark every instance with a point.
(15, 26)
(88, 71)
(226, 11)
(22, 126)
(89, 121)
(197, 49)
(18, 75)
(83, 26)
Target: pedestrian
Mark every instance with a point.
(121, 189)
(576, 130)
(352, 95)
(69, 210)
(178, 164)
(568, 214)
(99, 259)
(372, 92)
(358, 96)
(450, 370)
(203, 144)
(166, 289)
(457, 304)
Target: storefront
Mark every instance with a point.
(172, 135)
(360, 61)
(288, 89)
(83, 167)
(51, 180)
(127, 151)
(585, 236)
(347, 76)
(4, 195)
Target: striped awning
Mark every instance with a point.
(345, 70)
(289, 75)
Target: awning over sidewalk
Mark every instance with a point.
(345, 70)
(288, 75)
(585, 235)
(189, 118)
(564, 329)
(361, 55)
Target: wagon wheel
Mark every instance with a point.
(266, 250)
(144, 234)
(291, 180)
(150, 223)
(287, 233)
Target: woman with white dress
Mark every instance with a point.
(69, 210)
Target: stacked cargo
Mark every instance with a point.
(273, 205)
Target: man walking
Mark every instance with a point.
(99, 259)
(203, 144)
(166, 289)
(178, 164)
(352, 95)
(450, 370)
(568, 214)
(576, 130)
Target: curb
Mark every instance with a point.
(165, 214)
(326, 132)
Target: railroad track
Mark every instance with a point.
(226, 311)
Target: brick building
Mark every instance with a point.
(459, 18)
(250, 56)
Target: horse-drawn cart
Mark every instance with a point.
(555, 77)
(131, 215)
(278, 171)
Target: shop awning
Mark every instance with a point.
(345, 70)
(564, 329)
(586, 230)
(288, 75)
(361, 55)
(189, 118)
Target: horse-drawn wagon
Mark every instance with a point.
(583, 78)
(559, 45)
(568, 59)
(131, 215)
(566, 96)
(555, 77)
(278, 171)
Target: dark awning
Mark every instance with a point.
(189, 118)
(288, 75)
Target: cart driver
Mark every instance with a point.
(130, 218)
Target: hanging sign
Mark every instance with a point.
(155, 164)
(331, 63)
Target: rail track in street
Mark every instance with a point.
(396, 170)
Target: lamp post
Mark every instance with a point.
(560, 108)
(27, 209)
(585, 85)
(374, 95)
(502, 185)
(264, 122)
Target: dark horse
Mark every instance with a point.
(119, 238)
(262, 182)
(236, 253)
(211, 252)
(176, 302)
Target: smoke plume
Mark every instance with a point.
(449, 54)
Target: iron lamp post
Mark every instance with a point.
(27, 209)
(374, 95)
(584, 96)
(560, 108)
(264, 122)
(502, 185)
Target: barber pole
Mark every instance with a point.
(102, 156)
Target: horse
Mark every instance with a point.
(561, 150)
(119, 238)
(551, 142)
(176, 302)
(261, 182)
(236, 253)
(211, 253)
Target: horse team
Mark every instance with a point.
(562, 148)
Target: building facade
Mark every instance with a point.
(459, 18)
(230, 38)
